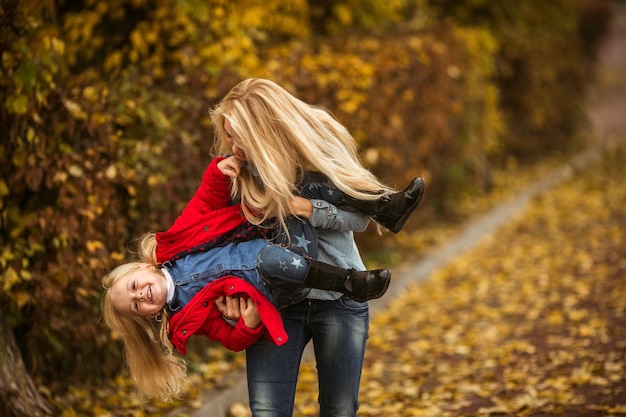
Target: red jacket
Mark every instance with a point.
(207, 217)
(200, 316)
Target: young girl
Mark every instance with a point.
(182, 275)
(285, 144)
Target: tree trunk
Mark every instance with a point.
(18, 395)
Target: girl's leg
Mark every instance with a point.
(280, 266)
(302, 237)
(390, 211)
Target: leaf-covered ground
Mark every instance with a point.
(530, 323)
(211, 366)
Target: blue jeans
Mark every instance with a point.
(338, 329)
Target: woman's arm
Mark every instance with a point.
(324, 215)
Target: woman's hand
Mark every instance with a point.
(301, 207)
(232, 308)
(230, 166)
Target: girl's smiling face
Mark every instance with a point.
(141, 293)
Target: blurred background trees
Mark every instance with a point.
(105, 128)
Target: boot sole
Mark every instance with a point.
(400, 223)
(377, 295)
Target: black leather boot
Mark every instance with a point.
(358, 285)
(392, 210)
(279, 266)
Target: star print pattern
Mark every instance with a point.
(303, 242)
(282, 265)
(300, 235)
(297, 263)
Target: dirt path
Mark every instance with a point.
(607, 102)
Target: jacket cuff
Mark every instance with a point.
(214, 172)
(248, 331)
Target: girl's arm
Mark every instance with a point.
(248, 328)
(232, 338)
(232, 308)
(214, 190)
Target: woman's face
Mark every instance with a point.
(141, 293)
(237, 151)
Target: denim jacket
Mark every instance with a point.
(336, 245)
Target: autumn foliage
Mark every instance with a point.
(105, 127)
(531, 321)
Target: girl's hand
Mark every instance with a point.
(249, 313)
(232, 308)
(229, 307)
(229, 166)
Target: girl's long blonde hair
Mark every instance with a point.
(282, 138)
(155, 369)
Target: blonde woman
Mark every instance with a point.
(286, 146)
(280, 138)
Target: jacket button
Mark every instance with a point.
(232, 287)
(184, 332)
(206, 228)
(206, 304)
(195, 277)
(280, 339)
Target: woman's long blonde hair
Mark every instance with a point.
(155, 369)
(283, 137)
